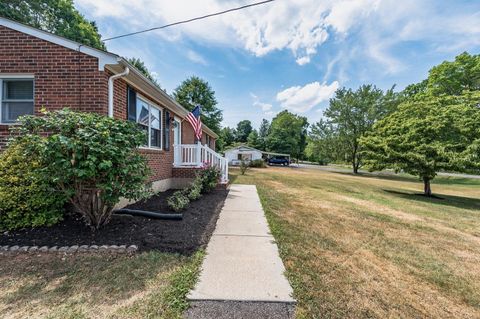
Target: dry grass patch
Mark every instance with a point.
(148, 285)
(363, 247)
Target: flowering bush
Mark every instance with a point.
(209, 177)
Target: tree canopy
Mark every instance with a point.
(323, 146)
(226, 138)
(244, 128)
(423, 136)
(352, 113)
(253, 139)
(140, 65)
(195, 91)
(263, 132)
(288, 133)
(56, 16)
(455, 77)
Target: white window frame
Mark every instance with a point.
(6, 76)
(179, 121)
(208, 140)
(160, 109)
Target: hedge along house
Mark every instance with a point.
(39, 69)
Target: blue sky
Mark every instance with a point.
(289, 54)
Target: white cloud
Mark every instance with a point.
(265, 107)
(346, 14)
(293, 25)
(303, 60)
(303, 99)
(301, 26)
(195, 57)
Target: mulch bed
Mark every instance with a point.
(184, 236)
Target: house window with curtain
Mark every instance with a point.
(17, 98)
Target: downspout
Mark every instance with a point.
(110, 89)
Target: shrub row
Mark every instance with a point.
(205, 182)
(258, 163)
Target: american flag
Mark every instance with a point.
(194, 119)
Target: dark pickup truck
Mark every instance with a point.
(278, 161)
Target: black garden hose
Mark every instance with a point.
(144, 213)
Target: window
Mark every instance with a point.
(207, 140)
(149, 117)
(17, 99)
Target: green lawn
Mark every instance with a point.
(147, 285)
(365, 246)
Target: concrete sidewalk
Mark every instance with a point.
(242, 262)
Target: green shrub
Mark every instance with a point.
(194, 191)
(243, 167)
(93, 159)
(258, 163)
(209, 177)
(26, 199)
(178, 201)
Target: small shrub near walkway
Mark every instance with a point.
(204, 183)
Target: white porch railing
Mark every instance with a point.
(197, 155)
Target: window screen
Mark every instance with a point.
(17, 99)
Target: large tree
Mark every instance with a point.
(244, 128)
(140, 65)
(424, 136)
(226, 138)
(323, 145)
(288, 133)
(253, 139)
(56, 16)
(262, 134)
(196, 91)
(352, 114)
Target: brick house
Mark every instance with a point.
(39, 69)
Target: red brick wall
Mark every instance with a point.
(187, 172)
(63, 77)
(119, 97)
(160, 161)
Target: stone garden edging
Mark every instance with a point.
(70, 249)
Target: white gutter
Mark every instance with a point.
(110, 89)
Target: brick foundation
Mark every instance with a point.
(185, 172)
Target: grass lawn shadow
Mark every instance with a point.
(439, 180)
(440, 199)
